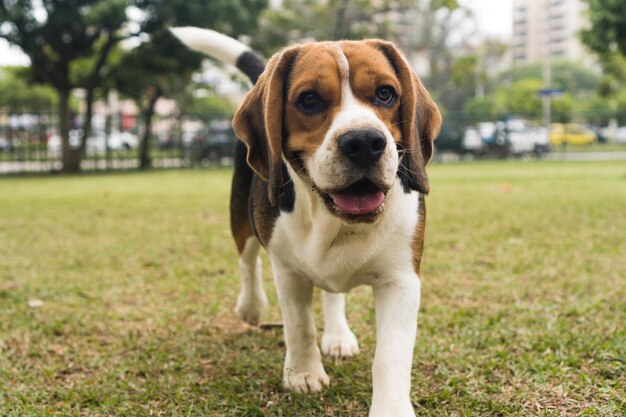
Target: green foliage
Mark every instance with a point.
(608, 26)
(163, 67)
(299, 20)
(571, 76)
(71, 47)
(514, 91)
(56, 38)
(607, 38)
(161, 64)
(71, 30)
(18, 96)
(562, 107)
(520, 98)
(464, 70)
(470, 74)
(448, 4)
(205, 107)
(232, 17)
(486, 108)
(595, 108)
(305, 20)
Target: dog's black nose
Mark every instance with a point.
(363, 147)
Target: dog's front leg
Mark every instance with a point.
(337, 340)
(303, 370)
(397, 303)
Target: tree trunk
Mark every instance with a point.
(339, 31)
(87, 122)
(71, 157)
(145, 162)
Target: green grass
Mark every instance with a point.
(523, 299)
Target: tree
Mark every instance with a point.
(569, 75)
(150, 71)
(482, 109)
(58, 36)
(520, 98)
(17, 96)
(607, 33)
(163, 67)
(607, 38)
(206, 107)
(306, 20)
(426, 30)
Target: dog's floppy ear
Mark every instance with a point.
(258, 121)
(420, 118)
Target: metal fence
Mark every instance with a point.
(30, 142)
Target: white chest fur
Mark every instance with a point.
(336, 257)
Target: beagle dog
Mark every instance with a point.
(330, 178)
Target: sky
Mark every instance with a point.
(493, 19)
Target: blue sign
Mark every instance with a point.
(550, 92)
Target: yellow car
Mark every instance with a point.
(572, 134)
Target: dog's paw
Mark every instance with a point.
(305, 381)
(250, 308)
(340, 345)
(392, 409)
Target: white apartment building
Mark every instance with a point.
(542, 27)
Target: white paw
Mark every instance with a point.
(397, 409)
(249, 308)
(340, 345)
(305, 381)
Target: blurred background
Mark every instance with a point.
(102, 85)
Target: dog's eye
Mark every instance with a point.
(385, 95)
(310, 102)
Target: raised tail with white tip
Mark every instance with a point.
(222, 47)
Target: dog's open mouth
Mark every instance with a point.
(361, 201)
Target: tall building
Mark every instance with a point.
(542, 27)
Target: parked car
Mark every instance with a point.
(120, 141)
(600, 135)
(472, 142)
(210, 145)
(571, 133)
(524, 137)
(510, 137)
(620, 136)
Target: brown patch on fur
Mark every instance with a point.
(258, 121)
(240, 225)
(262, 212)
(420, 117)
(316, 69)
(242, 231)
(370, 70)
(418, 236)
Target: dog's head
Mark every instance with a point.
(349, 117)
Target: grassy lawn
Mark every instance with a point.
(523, 299)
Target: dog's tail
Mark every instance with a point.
(222, 47)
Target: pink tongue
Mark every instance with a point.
(358, 203)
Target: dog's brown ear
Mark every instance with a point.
(420, 117)
(258, 121)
